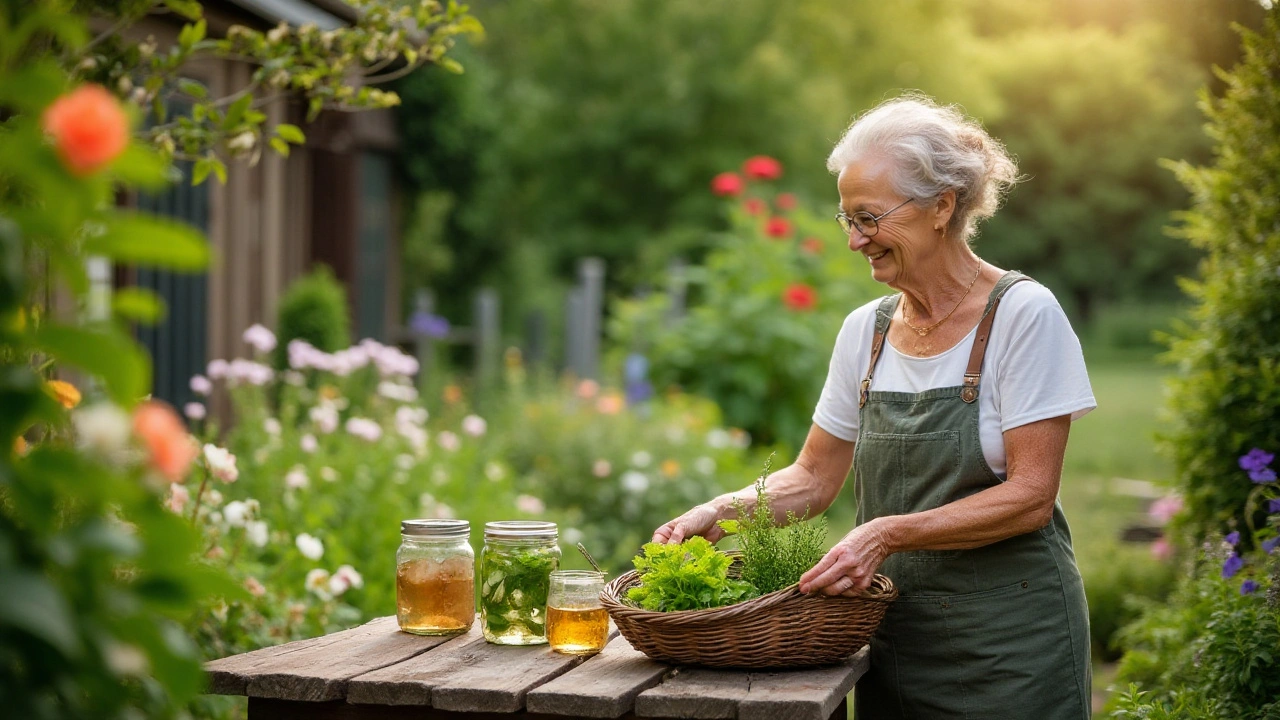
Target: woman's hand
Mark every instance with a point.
(847, 569)
(701, 520)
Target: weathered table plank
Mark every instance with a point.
(604, 686)
(267, 709)
(316, 669)
(811, 694)
(466, 674)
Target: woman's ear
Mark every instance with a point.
(944, 209)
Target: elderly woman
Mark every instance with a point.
(951, 400)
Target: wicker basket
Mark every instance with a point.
(785, 628)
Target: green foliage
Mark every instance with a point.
(1226, 398)
(1118, 588)
(775, 556)
(313, 308)
(1212, 648)
(741, 343)
(691, 575)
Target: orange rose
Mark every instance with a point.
(165, 438)
(88, 127)
(64, 392)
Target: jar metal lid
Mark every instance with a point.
(435, 527)
(521, 530)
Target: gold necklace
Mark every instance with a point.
(926, 330)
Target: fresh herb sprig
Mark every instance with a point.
(774, 557)
(692, 575)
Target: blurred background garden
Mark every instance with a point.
(576, 260)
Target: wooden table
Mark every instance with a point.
(376, 672)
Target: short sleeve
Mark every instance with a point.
(837, 410)
(1040, 370)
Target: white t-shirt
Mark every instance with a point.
(1033, 370)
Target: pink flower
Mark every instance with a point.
(308, 443)
(727, 184)
(365, 429)
(260, 338)
(89, 128)
(1161, 549)
(601, 468)
(222, 464)
(217, 369)
(812, 245)
(448, 441)
(762, 167)
(611, 403)
(777, 227)
(344, 578)
(201, 385)
(178, 498)
(474, 425)
(530, 505)
(254, 587)
(786, 201)
(194, 411)
(754, 206)
(296, 478)
(170, 448)
(800, 297)
(1163, 509)
(588, 389)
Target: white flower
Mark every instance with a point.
(601, 468)
(318, 583)
(272, 426)
(217, 369)
(310, 547)
(325, 416)
(345, 578)
(243, 141)
(221, 463)
(444, 511)
(641, 459)
(178, 497)
(364, 429)
(634, 481)
(474, 425)
(308, 443)
(294, 378)
(404, 461)
(494, 470)
(704, 465)
(571, 535)
(102, 427)
(258, 337)
(296, 478)
(409, 415)
(194, 411)
(396, 391)
(236, 513)
(212, 498)
(448, 440)
(241, 370)
(328, 474)
(416, 436)
(256, 532)
(125, 659)
(201, 385)
(718, 438)
(302, 354)
(530, 504)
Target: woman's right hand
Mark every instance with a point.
(701, 520)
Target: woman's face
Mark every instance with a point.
(906, 241)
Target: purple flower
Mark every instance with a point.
(1269, 545)
(433, 326)
(1233, 537)
(1256, 459)
(1273, 506)
(1247, 587)
(1231, 566)
(1262, 475)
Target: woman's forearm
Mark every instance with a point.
(794, 488)
(995, 514)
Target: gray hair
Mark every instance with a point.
(933, 148)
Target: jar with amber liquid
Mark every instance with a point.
(435, 577)
(515, 576)
(576, 622)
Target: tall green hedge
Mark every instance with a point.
(1226, 397)
(314, 308)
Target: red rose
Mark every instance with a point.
(812, 245)
(786, 201)
(727, 184)
(762, 167)
(754, 206)
(799, 296)
(777, 227)
(88, 127)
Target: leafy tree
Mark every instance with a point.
(1226, 399)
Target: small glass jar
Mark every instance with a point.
(435, 577)
(515, 576)
(576, 622)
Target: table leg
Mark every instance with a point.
(842, 710)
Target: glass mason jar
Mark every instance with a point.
(515, 576)
(576, 622)
(435, 577)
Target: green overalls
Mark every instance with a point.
(997, 632)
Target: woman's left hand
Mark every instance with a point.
(847, 569)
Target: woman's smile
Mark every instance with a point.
(876, 256)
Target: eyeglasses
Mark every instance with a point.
(863, 221)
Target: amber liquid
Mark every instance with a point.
(435, 598)
(577, 631)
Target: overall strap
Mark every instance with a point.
(884, 315)
(973, 373)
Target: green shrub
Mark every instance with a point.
(1227, 399)
(314, 309)
(1117, 590)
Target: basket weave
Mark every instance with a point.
(786, 628)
